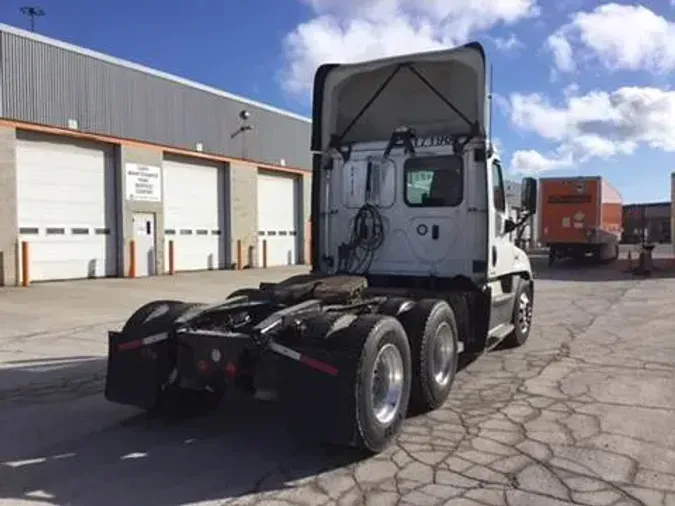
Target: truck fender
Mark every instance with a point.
(522, 264)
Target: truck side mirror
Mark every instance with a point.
(528, 195)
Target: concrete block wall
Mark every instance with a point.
(8, 207)
(672, 210)
(306, 256)
(243, 212)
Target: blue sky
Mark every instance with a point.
(583, 86)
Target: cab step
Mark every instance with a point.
(498, 334)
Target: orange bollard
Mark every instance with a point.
(172, 259)
(132, 258)
(25, 264)
(239, 253)
(264, 254)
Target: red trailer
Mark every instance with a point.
(580, 217)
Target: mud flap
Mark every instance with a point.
(136, 374)
(473, 311)
(321, 406)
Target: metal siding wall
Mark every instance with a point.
(48, 85)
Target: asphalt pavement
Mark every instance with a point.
(584, 413)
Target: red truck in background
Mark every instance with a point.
(580, 217)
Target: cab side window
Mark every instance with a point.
(498, 196)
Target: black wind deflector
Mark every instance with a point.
(436, 93)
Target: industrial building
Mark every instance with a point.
(648, 222)
(108, 168)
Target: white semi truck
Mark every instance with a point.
(411, 265)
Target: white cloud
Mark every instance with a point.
(626, 37)
(531, 162)
(353, 30)
(562, 52)
(510, 43)
(595, 125)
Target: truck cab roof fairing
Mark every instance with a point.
(342, 91)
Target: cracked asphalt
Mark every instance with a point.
(584, 413)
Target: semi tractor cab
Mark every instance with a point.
(411, 265)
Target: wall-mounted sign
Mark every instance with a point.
(143, 182)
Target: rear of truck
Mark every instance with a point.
(411, 266)
(580, 217)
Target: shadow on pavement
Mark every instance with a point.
(99, 453)
(95, 452)
(52, 379)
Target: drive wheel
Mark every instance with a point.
(249, 293)
(154, 317)
(382, 380)
(433, 334)
(522, 316)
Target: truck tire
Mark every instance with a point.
(433, 334)
(522, 316)
(250, 293)
(322, 327)
(157, 317)
(395, 306)
(381, 384)
(152, 316)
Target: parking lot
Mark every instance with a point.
(584, 413)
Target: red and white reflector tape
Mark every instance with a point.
(138, 343)
(303, 359)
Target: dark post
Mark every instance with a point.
(32, 12)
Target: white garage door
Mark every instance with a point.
(66, 207)
(192, 214)
(278, 219)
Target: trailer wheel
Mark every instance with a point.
(432, 330)
(382, 381)
(522, 316)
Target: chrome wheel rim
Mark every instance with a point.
(387, 384)
(443, 351)
(524, 313)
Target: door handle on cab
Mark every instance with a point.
(434, 232)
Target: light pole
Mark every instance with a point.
(32, 12)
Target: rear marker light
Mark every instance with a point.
(230, 370)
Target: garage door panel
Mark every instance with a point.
(66, 207)
(278, 219)
(53, 258)
(192, 214)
